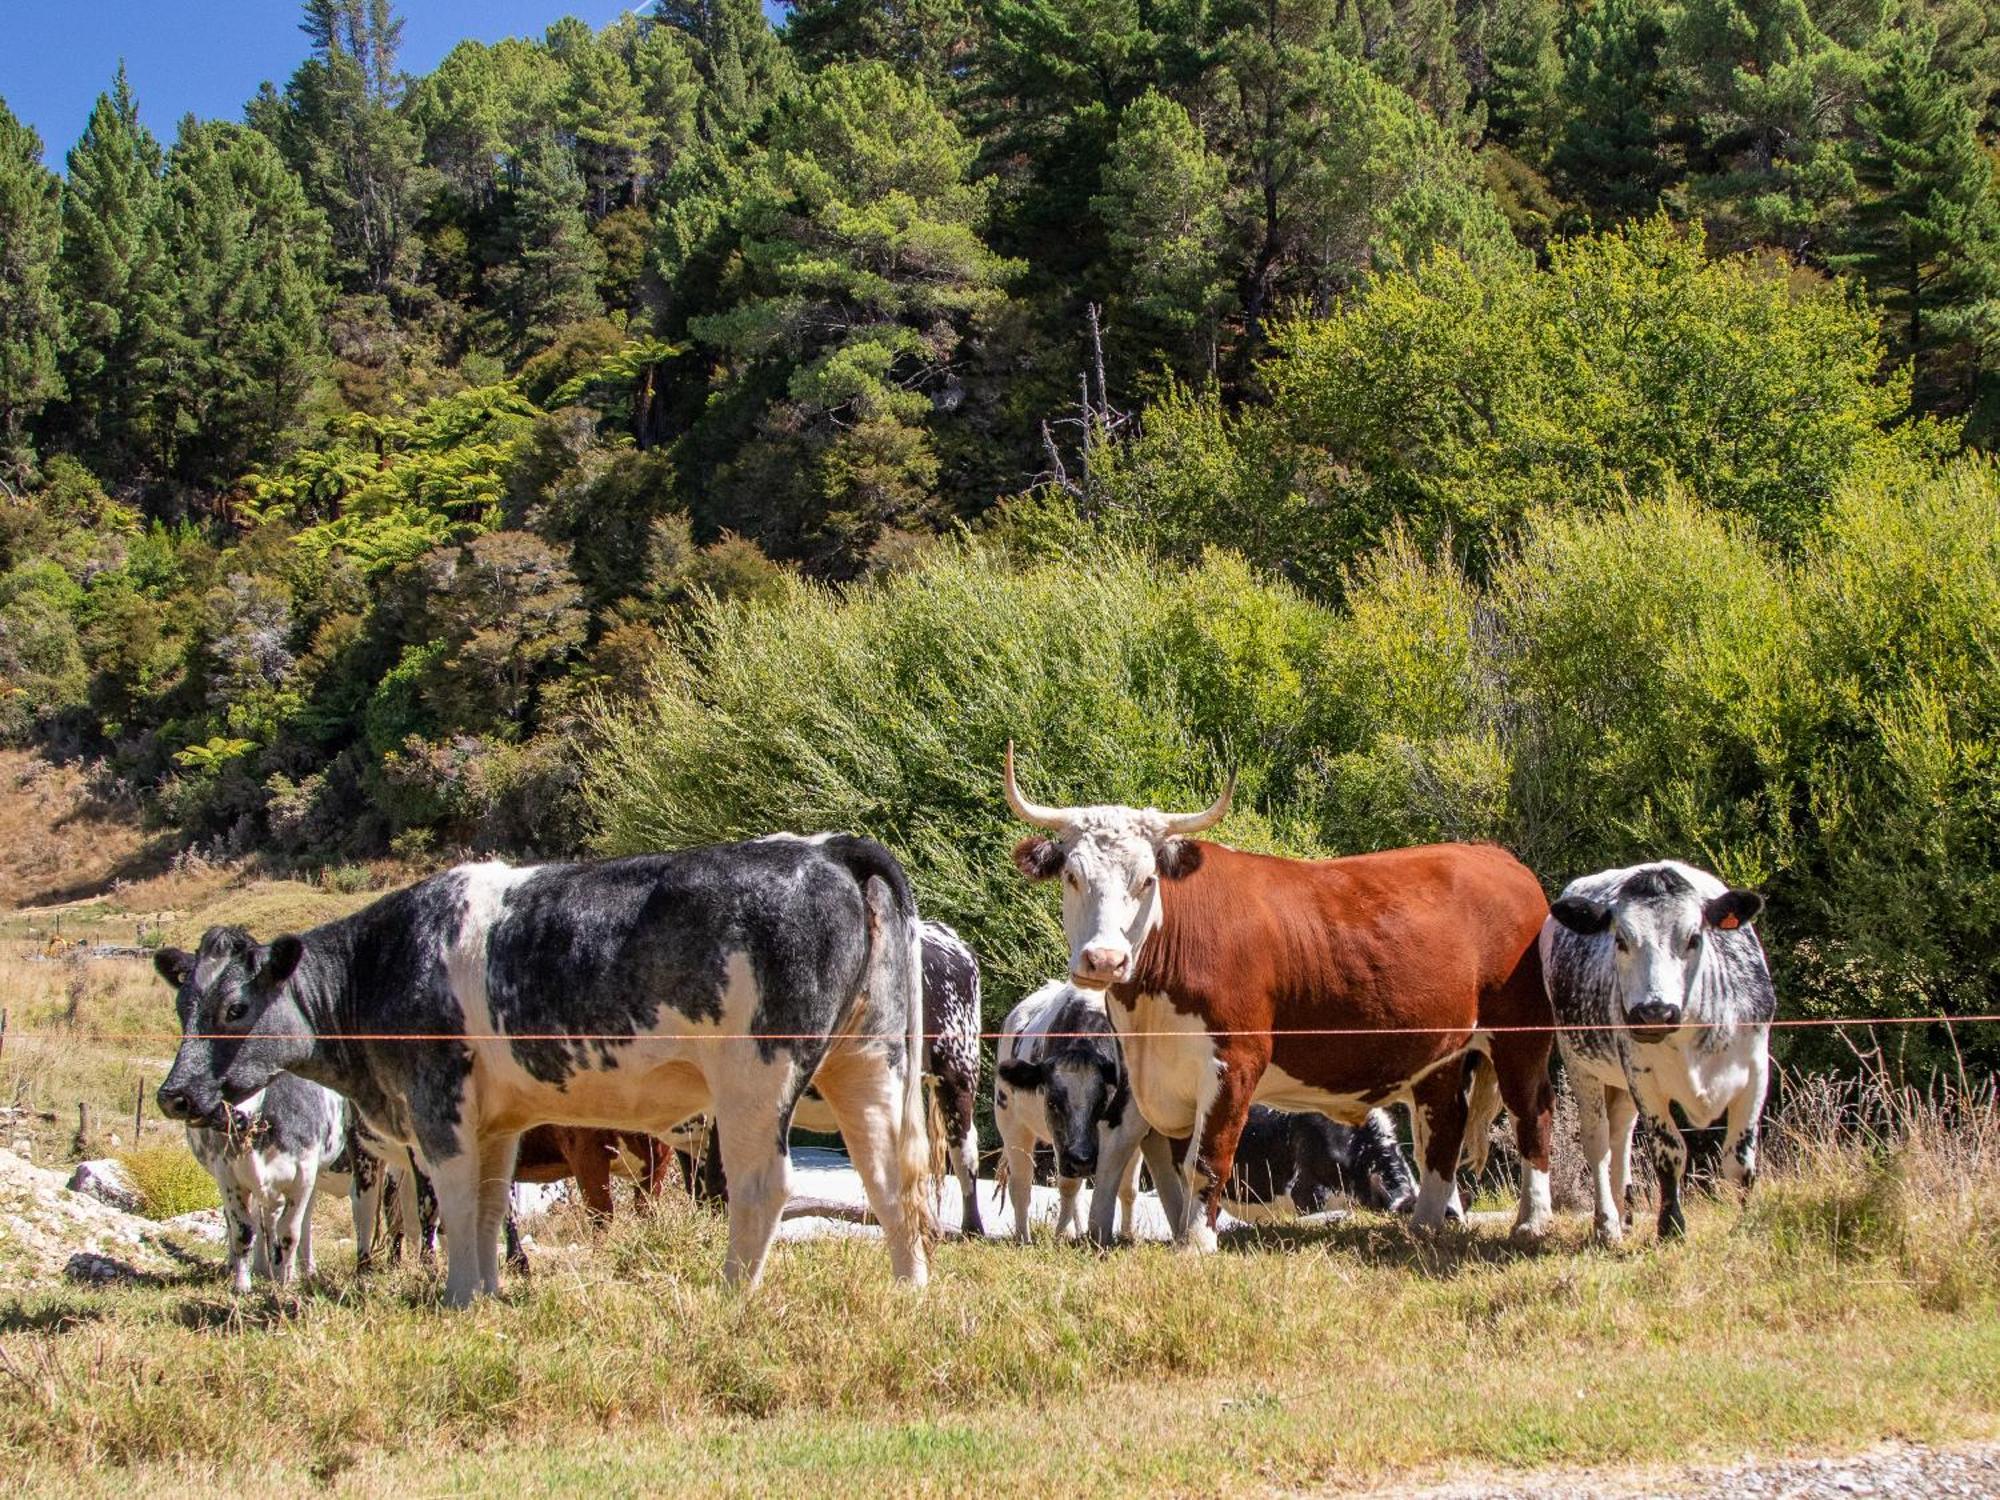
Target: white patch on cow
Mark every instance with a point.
(1531, 1223)
(1170, 1059)
(483, 897)
(1280, 1090)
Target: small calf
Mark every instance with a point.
(1061, 1080)
(1664, 998)
(281, 1147)
(1291, 1164)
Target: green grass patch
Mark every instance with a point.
(168, 1180)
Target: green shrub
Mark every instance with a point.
(886, 710)
(168, 1180)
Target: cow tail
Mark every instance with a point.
(896, 978)
(1482, 1109)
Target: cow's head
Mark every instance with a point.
(1081, 1089)
(1112, 861)
(1660, 929)
(240, 1023)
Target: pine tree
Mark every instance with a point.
(551, 280)
(31, 323)
(853, 271)
(738, 55)
(246, 256)
(358, 156)
(1612, 152)
(1162, 212)
(604, 113)
(927, 40)
(111, 278)
(1926, 235)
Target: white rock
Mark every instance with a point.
(105, 1180)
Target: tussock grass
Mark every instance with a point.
(168, 1180)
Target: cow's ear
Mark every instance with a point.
(1178, 858)
(174, 965)
(1021, 1074)
(280, 959)
(1581, 914)
(1733, 909)
(1039, 858)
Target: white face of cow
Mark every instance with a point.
(1660, 931)
(1112, 861)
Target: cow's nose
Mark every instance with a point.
(1654, 1018)
(1101, 965)
(174, 1103)
(1079, 1165)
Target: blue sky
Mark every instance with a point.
(208, 56)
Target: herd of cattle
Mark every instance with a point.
(1236, 1022)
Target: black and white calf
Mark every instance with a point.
(1292, 1164)
(1661, 990)
(626, 994)
(1060, 1080)
(278, 1150)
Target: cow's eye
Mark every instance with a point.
(1146, 885)
(1623, 946)
(1694, 941)
(237, 1012)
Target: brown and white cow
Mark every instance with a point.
(1235, 978)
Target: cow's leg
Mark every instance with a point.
(753, 1117)
(587, 1154)
(1117, 1180)
(364, 1197)
(1624, 1112)
(242, 1225)
(1670, 1153)
(497, 1153)
(289, 1216)
(961, 1121)
(455, 1180)
(867, 1096)
(1593, 1112)
(1521, 1059)
(513, 1252)
(1746, 1113)
(1438, 1110)
(1218, 1128)
(1158, 1153)
(1017, 1150)
(1066, 1220)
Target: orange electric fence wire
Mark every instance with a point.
(1792, 1022)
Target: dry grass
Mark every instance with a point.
(67, 838)
(1832, 1313)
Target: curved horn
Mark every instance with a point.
(1208, 817)
(1054, 818)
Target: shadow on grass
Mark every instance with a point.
(51, 1316)
(1380, 1240)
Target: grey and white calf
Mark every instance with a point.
(1061, 1080)
(1663, 998)
(626, 994)
(951, 1059)
(1293, 1164)
(278, 1150)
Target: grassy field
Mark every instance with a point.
(1852, 1301)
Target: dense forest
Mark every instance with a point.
(1549, 420)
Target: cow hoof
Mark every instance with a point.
(1673, 1227)
(1529, 1235)
(1199, 1240)
(1608, 1232)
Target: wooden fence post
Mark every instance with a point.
(139, 1110)
(82, 1129)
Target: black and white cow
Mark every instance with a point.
(1291, 1164)
(1060, 1080)
(626, 994)
(1664, 998)
(277, 1151)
